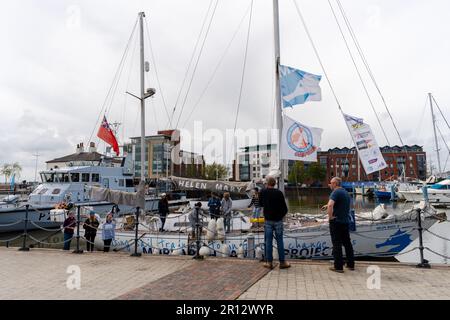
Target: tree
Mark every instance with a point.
(297, 173)
(9, 169)
(215, 171)
(316, 172)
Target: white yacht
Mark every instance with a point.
(437, 193)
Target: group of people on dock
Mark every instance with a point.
(90, 226)
(269, 200)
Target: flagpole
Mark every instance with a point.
(141, 26)
(276, 31)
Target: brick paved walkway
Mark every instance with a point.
(212, 279)
(42, 274)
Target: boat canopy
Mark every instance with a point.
(211, 185)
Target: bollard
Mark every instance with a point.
(423, 262)
(251, 246)
(78, 250)
(197, 237)
(25, 231)
(136, 254)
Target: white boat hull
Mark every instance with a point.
(434, 196)
(381, 239)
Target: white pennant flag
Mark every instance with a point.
(368, 150)
(299, 142)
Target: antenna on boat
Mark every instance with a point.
(276, 32)
(435, 135)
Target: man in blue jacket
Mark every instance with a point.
(338, 210)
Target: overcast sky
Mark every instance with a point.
(58, 60)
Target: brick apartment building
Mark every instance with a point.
(408, 161)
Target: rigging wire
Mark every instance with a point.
(210, 80)
(156, 73)
(126, 94)
(114, 80)
(317, 54)
(196, 63)
(366, 64)
(445, 119)
(358, 72)
(191, 60)
(242, 76)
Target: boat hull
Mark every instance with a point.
(12, 219)
(381, 239)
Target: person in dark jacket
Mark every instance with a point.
(90, 227)
(69, 227)
(214, 205)
(275, 208)
(163, 209)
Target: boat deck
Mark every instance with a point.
(43, 274)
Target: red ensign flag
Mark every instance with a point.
(106, 134)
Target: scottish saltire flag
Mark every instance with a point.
(298, 87)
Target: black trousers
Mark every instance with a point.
(107, 244)
(90, 237)
(340, 236)
(163, 221)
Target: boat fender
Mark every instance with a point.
(211, 232)
(204, 251)
(177, 252)
(240, 252)
(258, 253)
(220, 227)
(225, 251)
(155, 251)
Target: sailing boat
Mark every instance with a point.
(377, 233)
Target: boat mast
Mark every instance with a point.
(141, 27)
(435, 135)
(276, 32)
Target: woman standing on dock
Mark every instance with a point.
(90, 226)
(108, 232)
(69, 227)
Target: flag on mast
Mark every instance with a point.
(106, 134)
(299, 142)
(298, 87)
(368, 150)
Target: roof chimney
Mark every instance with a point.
(92, 147)
(80, 147)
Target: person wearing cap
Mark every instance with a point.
(195, 218)
(90, 227)
(163, 209)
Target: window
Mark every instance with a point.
(121, 182)
(43, 191)
(129, 183)
(95, 177)
(85, 177)
(56, 191)
(75, 177)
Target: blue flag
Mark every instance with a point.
(298, 87)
